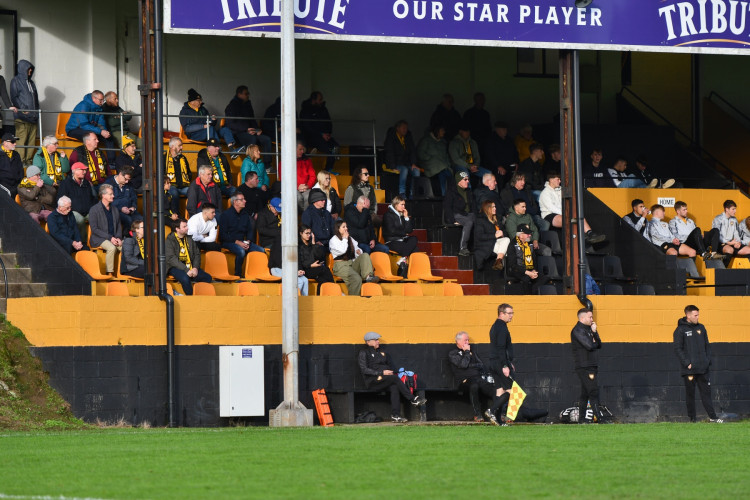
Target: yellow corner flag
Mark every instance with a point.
(516, 400)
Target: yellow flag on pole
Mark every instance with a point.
(516, 400)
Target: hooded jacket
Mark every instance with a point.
(550, 200)
(23, 92)
(692, 347)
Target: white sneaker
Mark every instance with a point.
(668, 183)
(653, 183)
(716, 420)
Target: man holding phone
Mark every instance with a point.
(585, 341)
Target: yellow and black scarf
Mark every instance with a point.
(469, 154)
(184, 252)
(402, 141)
(54, 169)
(218, 165)
(8, 152)
(172, 175)
(141, 248)
(97, 170)
(528, 259)
(26, 183)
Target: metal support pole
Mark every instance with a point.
(375, 158)
(290, 413)
(40, 133)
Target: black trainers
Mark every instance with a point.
(492, 418)
(398, 419)
(464, 252)
(593, 238)
(372, 279)
(418, 401)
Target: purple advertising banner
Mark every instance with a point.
(702, 26)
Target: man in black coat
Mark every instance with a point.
(585, 342)
(502, 155)
(359, 221)
(521, 262)
(488, 191)
(245, 127)
(458, 209)
(694, 352)
(11, 165)
(81, 194)
(501, 356)
(315, 122)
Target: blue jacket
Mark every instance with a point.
(321, 223)
(64, 229)
(235, 226)
(125, 196)
(92, 123)
(193, 123)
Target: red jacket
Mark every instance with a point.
(305, 172)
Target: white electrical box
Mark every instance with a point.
(241, 381)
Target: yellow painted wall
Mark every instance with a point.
(87, 321)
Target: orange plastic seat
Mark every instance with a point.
(247, 289)
(117, 289)
(185, 139)
(62, 120)
(201, 288)
(90, 263)
(452, 289)
(170, 290)
(382, 264)
(256, 268)
(412, 290)
(371, 290)
(420, 269)
(329, 263)
(120, 276)
(215, 264)
(331, 290)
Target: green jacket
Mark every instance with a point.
(432, 155)
(39, 162)
(172, 253)
(513, 220)
(457, 151)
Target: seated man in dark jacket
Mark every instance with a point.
(359, 222)
(458, 209)
(184, 258)
(193, 119)
(126, 201)
(378, 373)
(237, 232)
(81, 194)
(245, 127)
(220, 167)
(269, 223)
(521, 263)
(104, 223)
(488, 191)
(63, 228)
(518, 188)
(318, 218)
(203, 190)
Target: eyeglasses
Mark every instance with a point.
(365, 174)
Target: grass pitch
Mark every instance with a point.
(554, 461)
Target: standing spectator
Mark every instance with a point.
(333, 202)
(464, 153)
(532, 169)
(104, 222)
(458, 209)
(478, 120)
(6, 108)
(489, 238)
(446, 116)
(401, 155)
(81, 193)
(131, 158)
(237, 232)
(432, 154)
(11, 165)
(112, 105)
(184, 258)
(203, 190)
(245, 126)
(585, 342)
(133, 252)
(359, 222)
(87, 117)
(269, 223)
(319, 219)
(90, 155)
(594, 174)
(397, 227)
(637, 218)
(305, 177)
(63, 228)
(220, 166)
(522, 263)
(686, 233)
(317, 127)
(350, 263)
(193, 119)
(255, 197)
(730, 231)
(125, 200)
(53, 164)
(202, 228)
(360, 186)
(519, 189)
(501, 359)
(502, 155)
(523, 141)
(694, 353)
(177, 168)
(254, 163)
(37, 198)
(25, 99)
(314, 268)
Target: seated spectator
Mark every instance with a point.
(360, 186)
(333, 202)
(532, 169)
(488, 191)
(81, 193)
(730, 232)
(238, 232)
(464, 153)
(594, 174)
(184, 259)
(171, 205)
(554, 163)
(379, 374)
(274, 267)
(350, 263)
(53, 164)
(305, 177)
(255, 197)
(637, 218)
(309, 262)
(478, 120)
(446, 116)
(245, 127)
(95, 161)
(37, 198)
(221, 169)
(315, 122)
(432, 155)
(269, 223)
(104, 223)
(458, 209)
(401, 155)
(203, 190)
(271, 122)
(550, 204)
(112, 105)
(502, 154)
(254, 163)
(133, 252)
(518, 189)
(131, 158)
(517, 216)
(177, 168)
(522, 263)
(11, 166)
(471, 374)
(660, 235)
(687, 234)
(201, 227)
(397, 227)
(490, 241)
(523, 141)
(80, 124)
(62, 226)
(125, 201)
(359, 222)
(620, 178)
(643, 173)
(318, 218)
(198, 126)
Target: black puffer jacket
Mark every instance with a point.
(372, 363)
(692, 347)
(465, 364)
(586, 344)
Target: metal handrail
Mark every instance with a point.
(735, 177)
(731, 106)
(5, 277)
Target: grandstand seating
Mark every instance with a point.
(117, 289)
(247, 289)
(204, 289)
(371, 290)
(88, 260)
(215, 264)
(420, 269)
(256, 268)
(330, 290)
(412, 290)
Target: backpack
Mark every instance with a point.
(368, 417)
(409, 378)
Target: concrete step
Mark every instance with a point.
(476, 289)
(17, 290)
(18, 274)
(3, 306)
(9, 259)
(464, 277)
